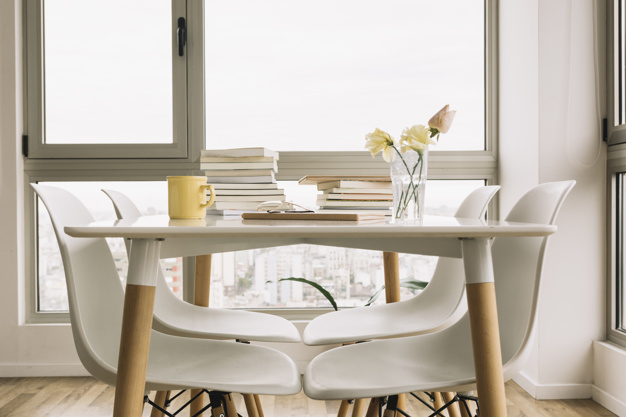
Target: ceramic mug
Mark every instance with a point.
(186, 197)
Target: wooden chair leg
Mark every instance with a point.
(250, 405)
(197, 404)
(358, 407)
(438, 400)
(372, 409)
(453, 410)
(160, 399)
(259, 408)
(343, 408)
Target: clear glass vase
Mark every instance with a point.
(408, 177)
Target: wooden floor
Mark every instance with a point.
(80, 397)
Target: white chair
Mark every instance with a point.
(440, 304)
(443, 361)
(96, 298)
(177, 317)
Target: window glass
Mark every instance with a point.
(250, 278)
(150, 197)
(620, 293)
(108, 71)
(317, 76)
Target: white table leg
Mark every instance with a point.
(136, 328)
(483, 314)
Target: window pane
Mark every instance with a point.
(301, 75)
(620, 293)
(150, 197)
(108, 71)
(249, 279)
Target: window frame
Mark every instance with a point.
(34, 115)
(69, 163)
(616, 166)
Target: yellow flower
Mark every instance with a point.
(378, 141)
(441, 122)
(416, 138)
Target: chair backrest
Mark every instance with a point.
(518, 264)
(445, 292)
(165, 301)
(94, 290)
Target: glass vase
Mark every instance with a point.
(408, 177)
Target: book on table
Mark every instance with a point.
(249, 192)
(236, 205)
(249, 180)
(239, 172)
(273, 186)
(324, 182)
(238, 159)
(380, 191)
(249, 198)
(355, 197)
(212, 166)
(354, 204)
(238, 152)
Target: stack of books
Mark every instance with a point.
(354, 193)
(242, 178)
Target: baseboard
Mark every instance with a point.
(608, 401)
(553, 391)
(34, 370)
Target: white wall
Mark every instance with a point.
(25, 349)
(557, 96)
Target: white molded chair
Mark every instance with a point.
(443, 361)
(96, 299)
(440, 304)
(177, 317)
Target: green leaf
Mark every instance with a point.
(413, 284)
(315, 285)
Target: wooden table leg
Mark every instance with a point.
(372, 409)
(257, 401)
(201, 294)
(483, 315)
(136, 328)
(391, 266)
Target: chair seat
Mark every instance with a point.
(181, 363)
(185, 319)
(411, 317)
(441, 361)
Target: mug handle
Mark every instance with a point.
(211, 199)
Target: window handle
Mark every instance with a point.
(181, 34)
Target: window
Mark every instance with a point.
(118, 102)
(616, 171)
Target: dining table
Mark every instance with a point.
(155, 237)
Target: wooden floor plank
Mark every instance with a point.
(83, 396)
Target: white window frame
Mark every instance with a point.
(616, 165)
(88, 163)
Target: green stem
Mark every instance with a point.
(406, 198)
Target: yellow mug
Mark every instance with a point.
(186, 197)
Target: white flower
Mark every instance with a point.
(380, 141)
(415, 138)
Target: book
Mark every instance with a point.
(347, 216)
(249, 192)
(355, 197)
(239, 172)
(353, 204)
(238, 159)
(365, 210)
(244, 186)
(316, 179)
(384, 191)
(238, 152)
(241, 180)
(235, 205)
(250, 198)
(353, 184)
(210, 166)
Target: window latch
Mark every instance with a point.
(181, 34)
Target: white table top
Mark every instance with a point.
(436, 236)
(432, 226)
